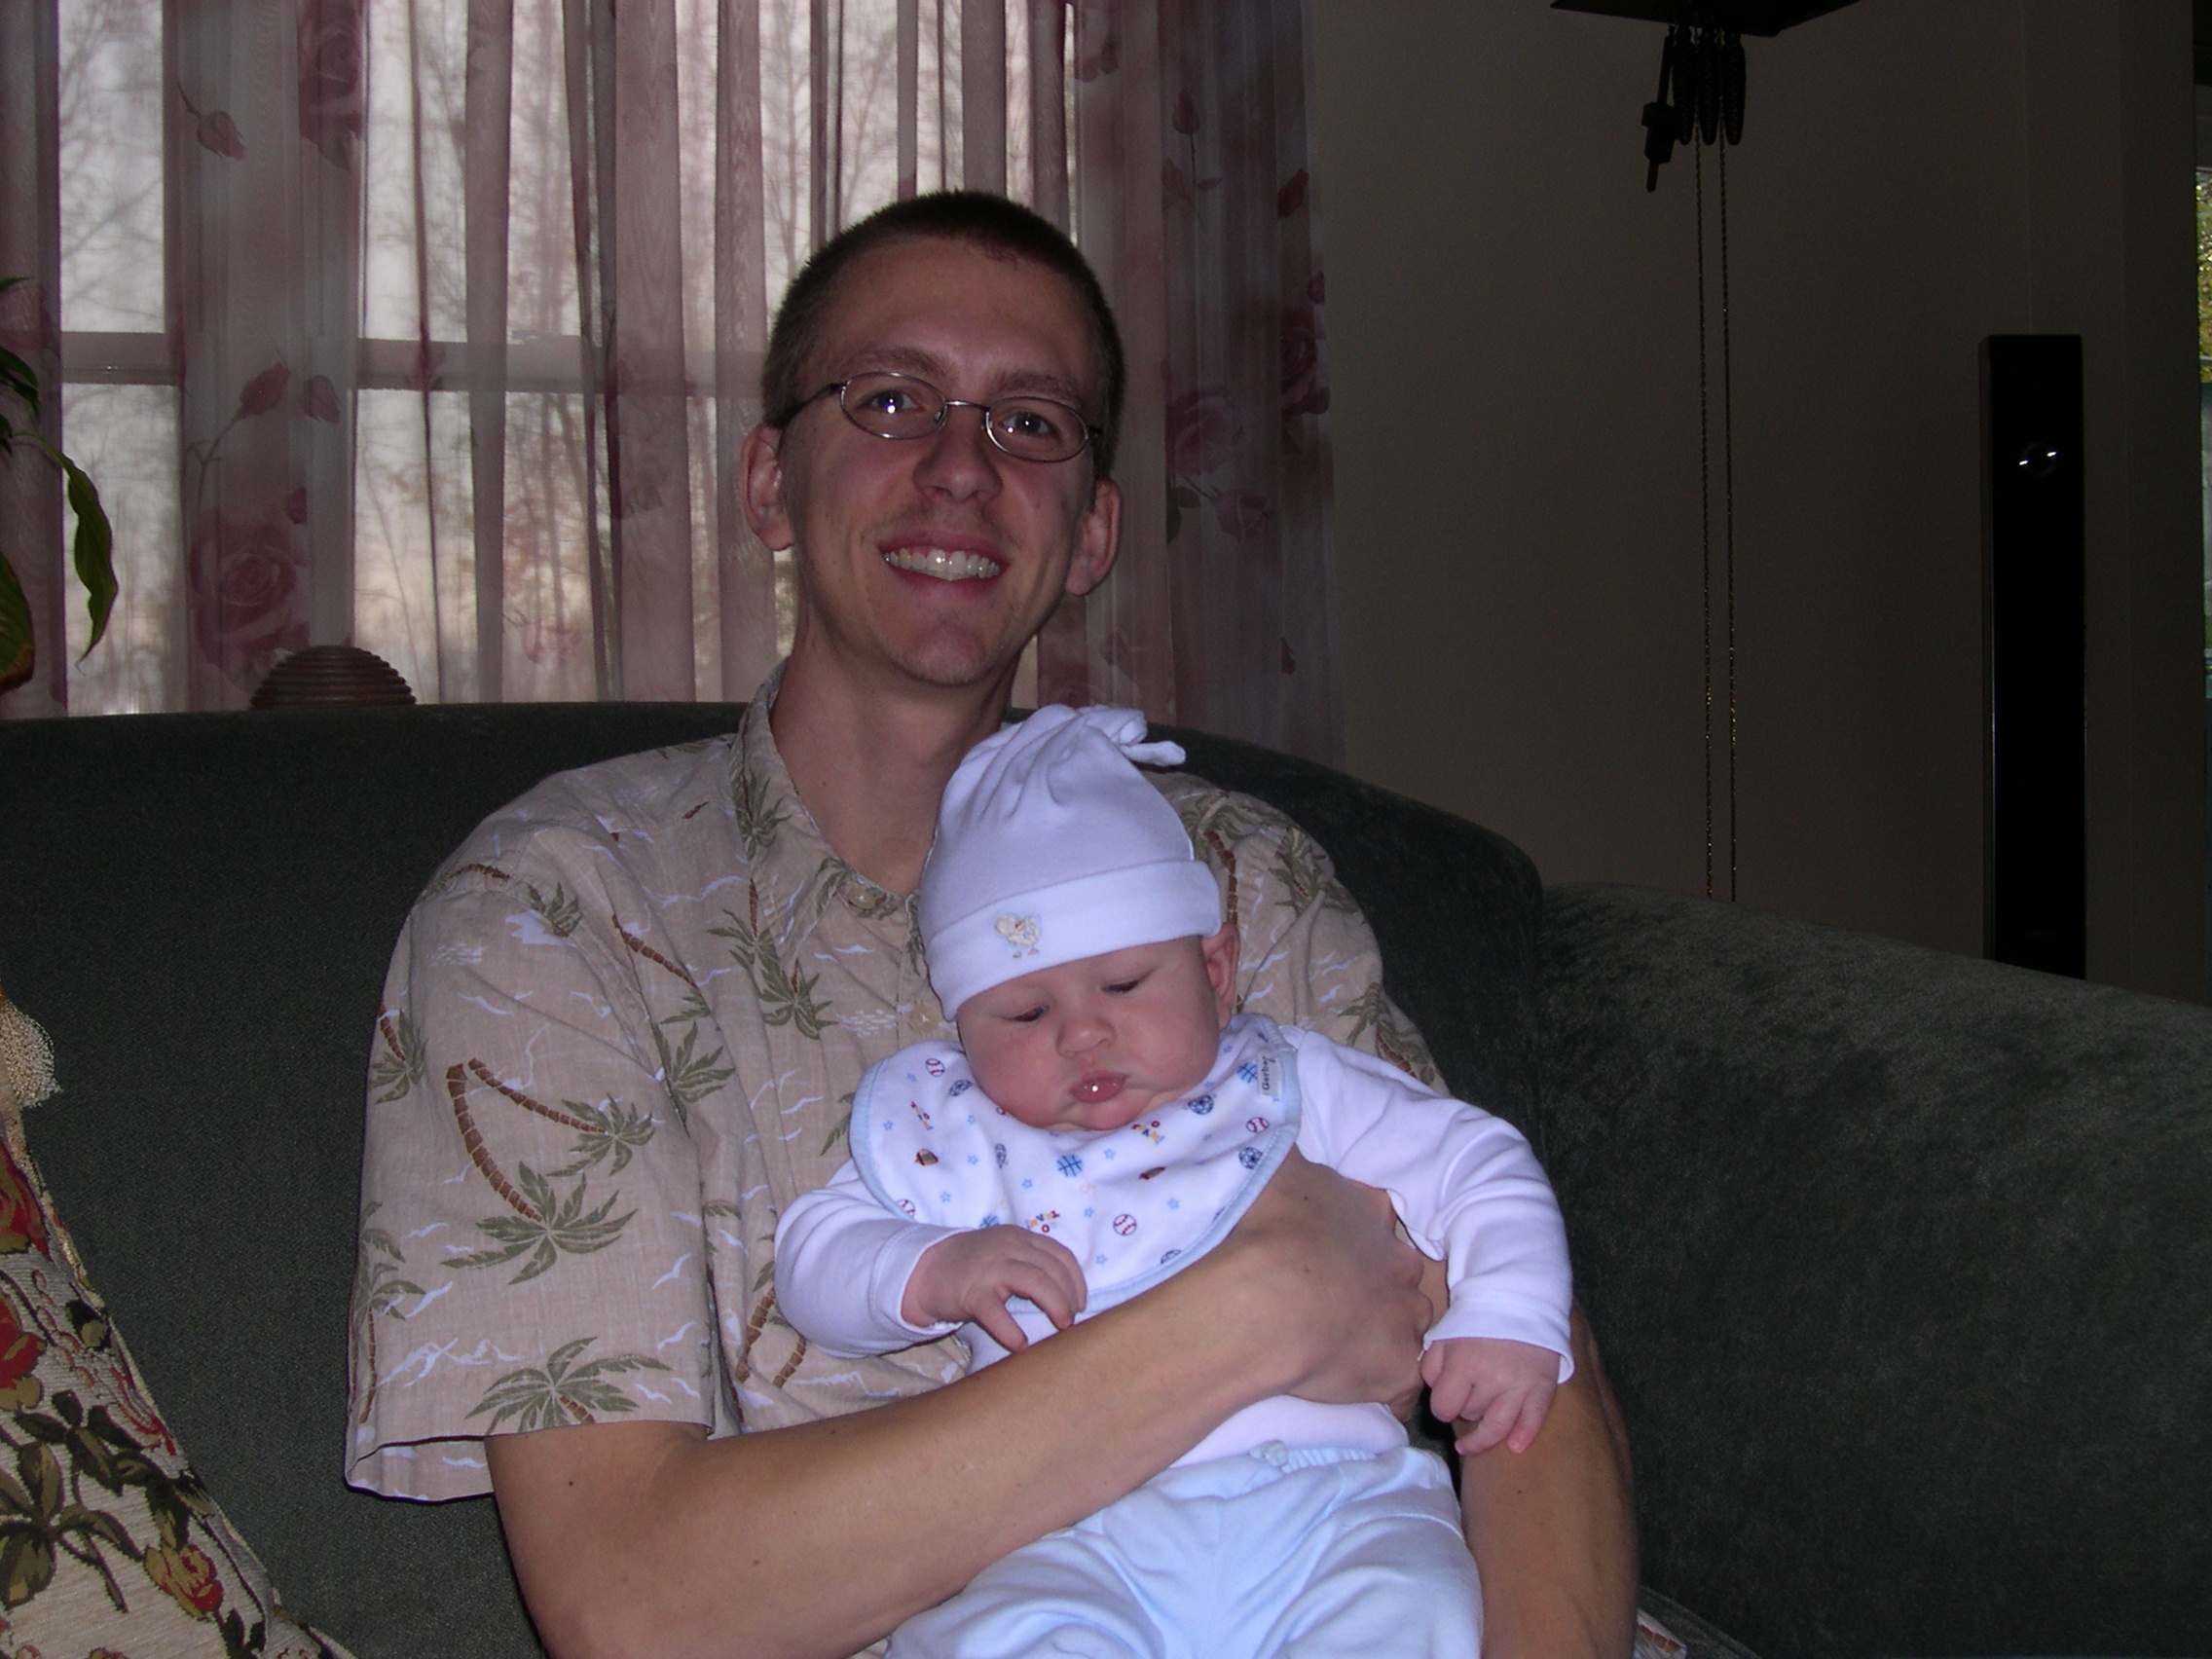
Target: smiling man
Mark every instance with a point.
(926, 561)
(623, 1027)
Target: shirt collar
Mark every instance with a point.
(791, 864)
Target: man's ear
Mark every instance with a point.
(1220, 952)
(761, 468)
(1099, 538)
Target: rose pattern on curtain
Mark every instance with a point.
(1196, 202)
(262, 277)
(434, 325)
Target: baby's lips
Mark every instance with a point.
(1093, 1087)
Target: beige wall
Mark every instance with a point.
(1518, 568)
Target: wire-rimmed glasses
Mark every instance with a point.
(1023, 425)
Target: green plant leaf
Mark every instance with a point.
(93, 550)
(15, 375)
(93, 547)
(16, 657)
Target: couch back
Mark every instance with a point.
(199, 909)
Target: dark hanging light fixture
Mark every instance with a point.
(1702, 84)
(1701, 64)
(1701, 94)
(1745, 17)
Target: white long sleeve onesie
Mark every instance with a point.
(940, 1158)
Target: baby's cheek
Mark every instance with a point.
(1017, 1075)
(1189, 1043)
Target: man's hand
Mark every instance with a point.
(1343, 1290)
(1499, 1389)
(971, 1275)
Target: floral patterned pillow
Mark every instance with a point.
(110, 1548)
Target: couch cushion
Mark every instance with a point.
(200, 909)
(1902, 1268)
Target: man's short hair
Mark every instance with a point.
(977, 217)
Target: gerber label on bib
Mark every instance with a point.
(1128, 1201)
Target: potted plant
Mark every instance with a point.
(94, 548)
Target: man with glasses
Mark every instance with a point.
(619, 1024)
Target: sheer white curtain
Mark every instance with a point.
(433, 325)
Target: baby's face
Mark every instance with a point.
(1096, 1043)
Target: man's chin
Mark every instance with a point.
(953, 664)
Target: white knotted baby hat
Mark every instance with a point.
(1052, 846)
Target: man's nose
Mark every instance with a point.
(959, 458)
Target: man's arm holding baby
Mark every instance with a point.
(856, 1280)
(1549, 1519)
(651, 1538)
(1554, 1527)
(1469, 1189)
(1553, 1530)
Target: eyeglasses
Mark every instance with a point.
(1025, 427)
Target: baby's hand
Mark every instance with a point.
(1499, 1390)
(971, 1275)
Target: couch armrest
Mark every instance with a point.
(1901, 1263)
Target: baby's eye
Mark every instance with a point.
(1028, 1016)
(1125, 987)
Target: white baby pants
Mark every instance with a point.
(1305, 1554)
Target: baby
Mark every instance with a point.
(1105, 1119)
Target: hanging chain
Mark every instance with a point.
(1705, 504)
(1701, 102)
(1728, 506)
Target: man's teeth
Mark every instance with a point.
(943, 563)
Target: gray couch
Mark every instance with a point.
(1901, 1263)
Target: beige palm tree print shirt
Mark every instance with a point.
(621, 1031)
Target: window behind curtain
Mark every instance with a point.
(414, 525)
(353, 290)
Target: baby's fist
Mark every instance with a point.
(1494, 1389)
(971, 1275)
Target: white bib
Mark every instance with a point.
(1131, 1204)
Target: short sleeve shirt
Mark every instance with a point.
(622, 1029)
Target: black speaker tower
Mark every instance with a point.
(2035, 795)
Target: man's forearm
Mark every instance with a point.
(645, 1538)
(1554, 1530)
